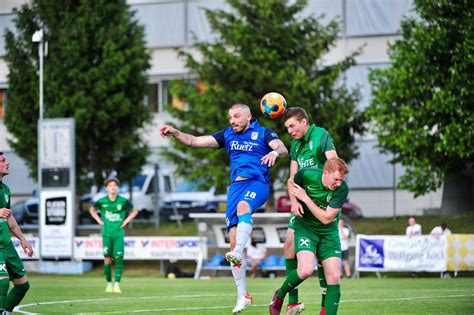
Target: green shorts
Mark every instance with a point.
(292, 221)
(10, 264)
(324, 246)
(113, 246)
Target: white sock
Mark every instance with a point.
(239, 274)
(242, 236)
(110, 283)
(117, 283)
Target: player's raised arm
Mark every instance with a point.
(188, 139)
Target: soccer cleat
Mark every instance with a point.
(234, 258)
(322, 311)
(117, 288)
(276, 304)
(242, 303)
(109, 288)
(294, 309)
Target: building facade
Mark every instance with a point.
(371, 24)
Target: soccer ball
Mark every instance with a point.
(272, 105)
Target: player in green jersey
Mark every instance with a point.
(11, 267)
(322, 193)
(312, 146)
(113, 218)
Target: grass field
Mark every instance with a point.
(153, 295)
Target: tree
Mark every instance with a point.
(95, 72)
(423, 103)
(262, 46)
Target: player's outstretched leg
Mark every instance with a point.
(243, 297)
(242, 234)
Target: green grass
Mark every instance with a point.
(155, 295)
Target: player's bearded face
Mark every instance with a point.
(239, 120)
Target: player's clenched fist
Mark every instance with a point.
(167, 130)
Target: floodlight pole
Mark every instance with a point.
(38, 38)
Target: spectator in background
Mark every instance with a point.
(344, 234)
(441, 230)
(256, 253)
(413, 228)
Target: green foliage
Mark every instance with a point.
(95, 72)
(423, 103)
(262, 46)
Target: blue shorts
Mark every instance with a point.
(254, 192)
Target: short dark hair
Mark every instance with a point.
(1, 153)
(297, 112)
(444, 226)
(112, 179)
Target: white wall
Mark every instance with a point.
(379, 203)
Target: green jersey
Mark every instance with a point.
(5, 238)
(113, 214)
(310, 150)
(311, 181)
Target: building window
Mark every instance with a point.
(159, 96)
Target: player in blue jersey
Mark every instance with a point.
(252, 149)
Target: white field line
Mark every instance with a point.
(20, 307)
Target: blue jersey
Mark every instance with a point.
(246, 149)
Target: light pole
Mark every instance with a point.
(38, 38)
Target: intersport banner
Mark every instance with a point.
(401, 253)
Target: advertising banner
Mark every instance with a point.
(152, 248)
(34, 242)
(56, 223)
(401, 253)
(460, 252)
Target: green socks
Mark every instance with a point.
(323, 284)
(118, 268)
(16, 295)
(4, 286)
(108, 272)
(292, 281)
(333, 296)
(292, 264)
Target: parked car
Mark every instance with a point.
(143, 193)
(26, 211)
(190, 197)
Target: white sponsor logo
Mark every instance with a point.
(371, 256)
(235, 145)
(112, 217)
(304, 242)
(305, 163)
(3, 267)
